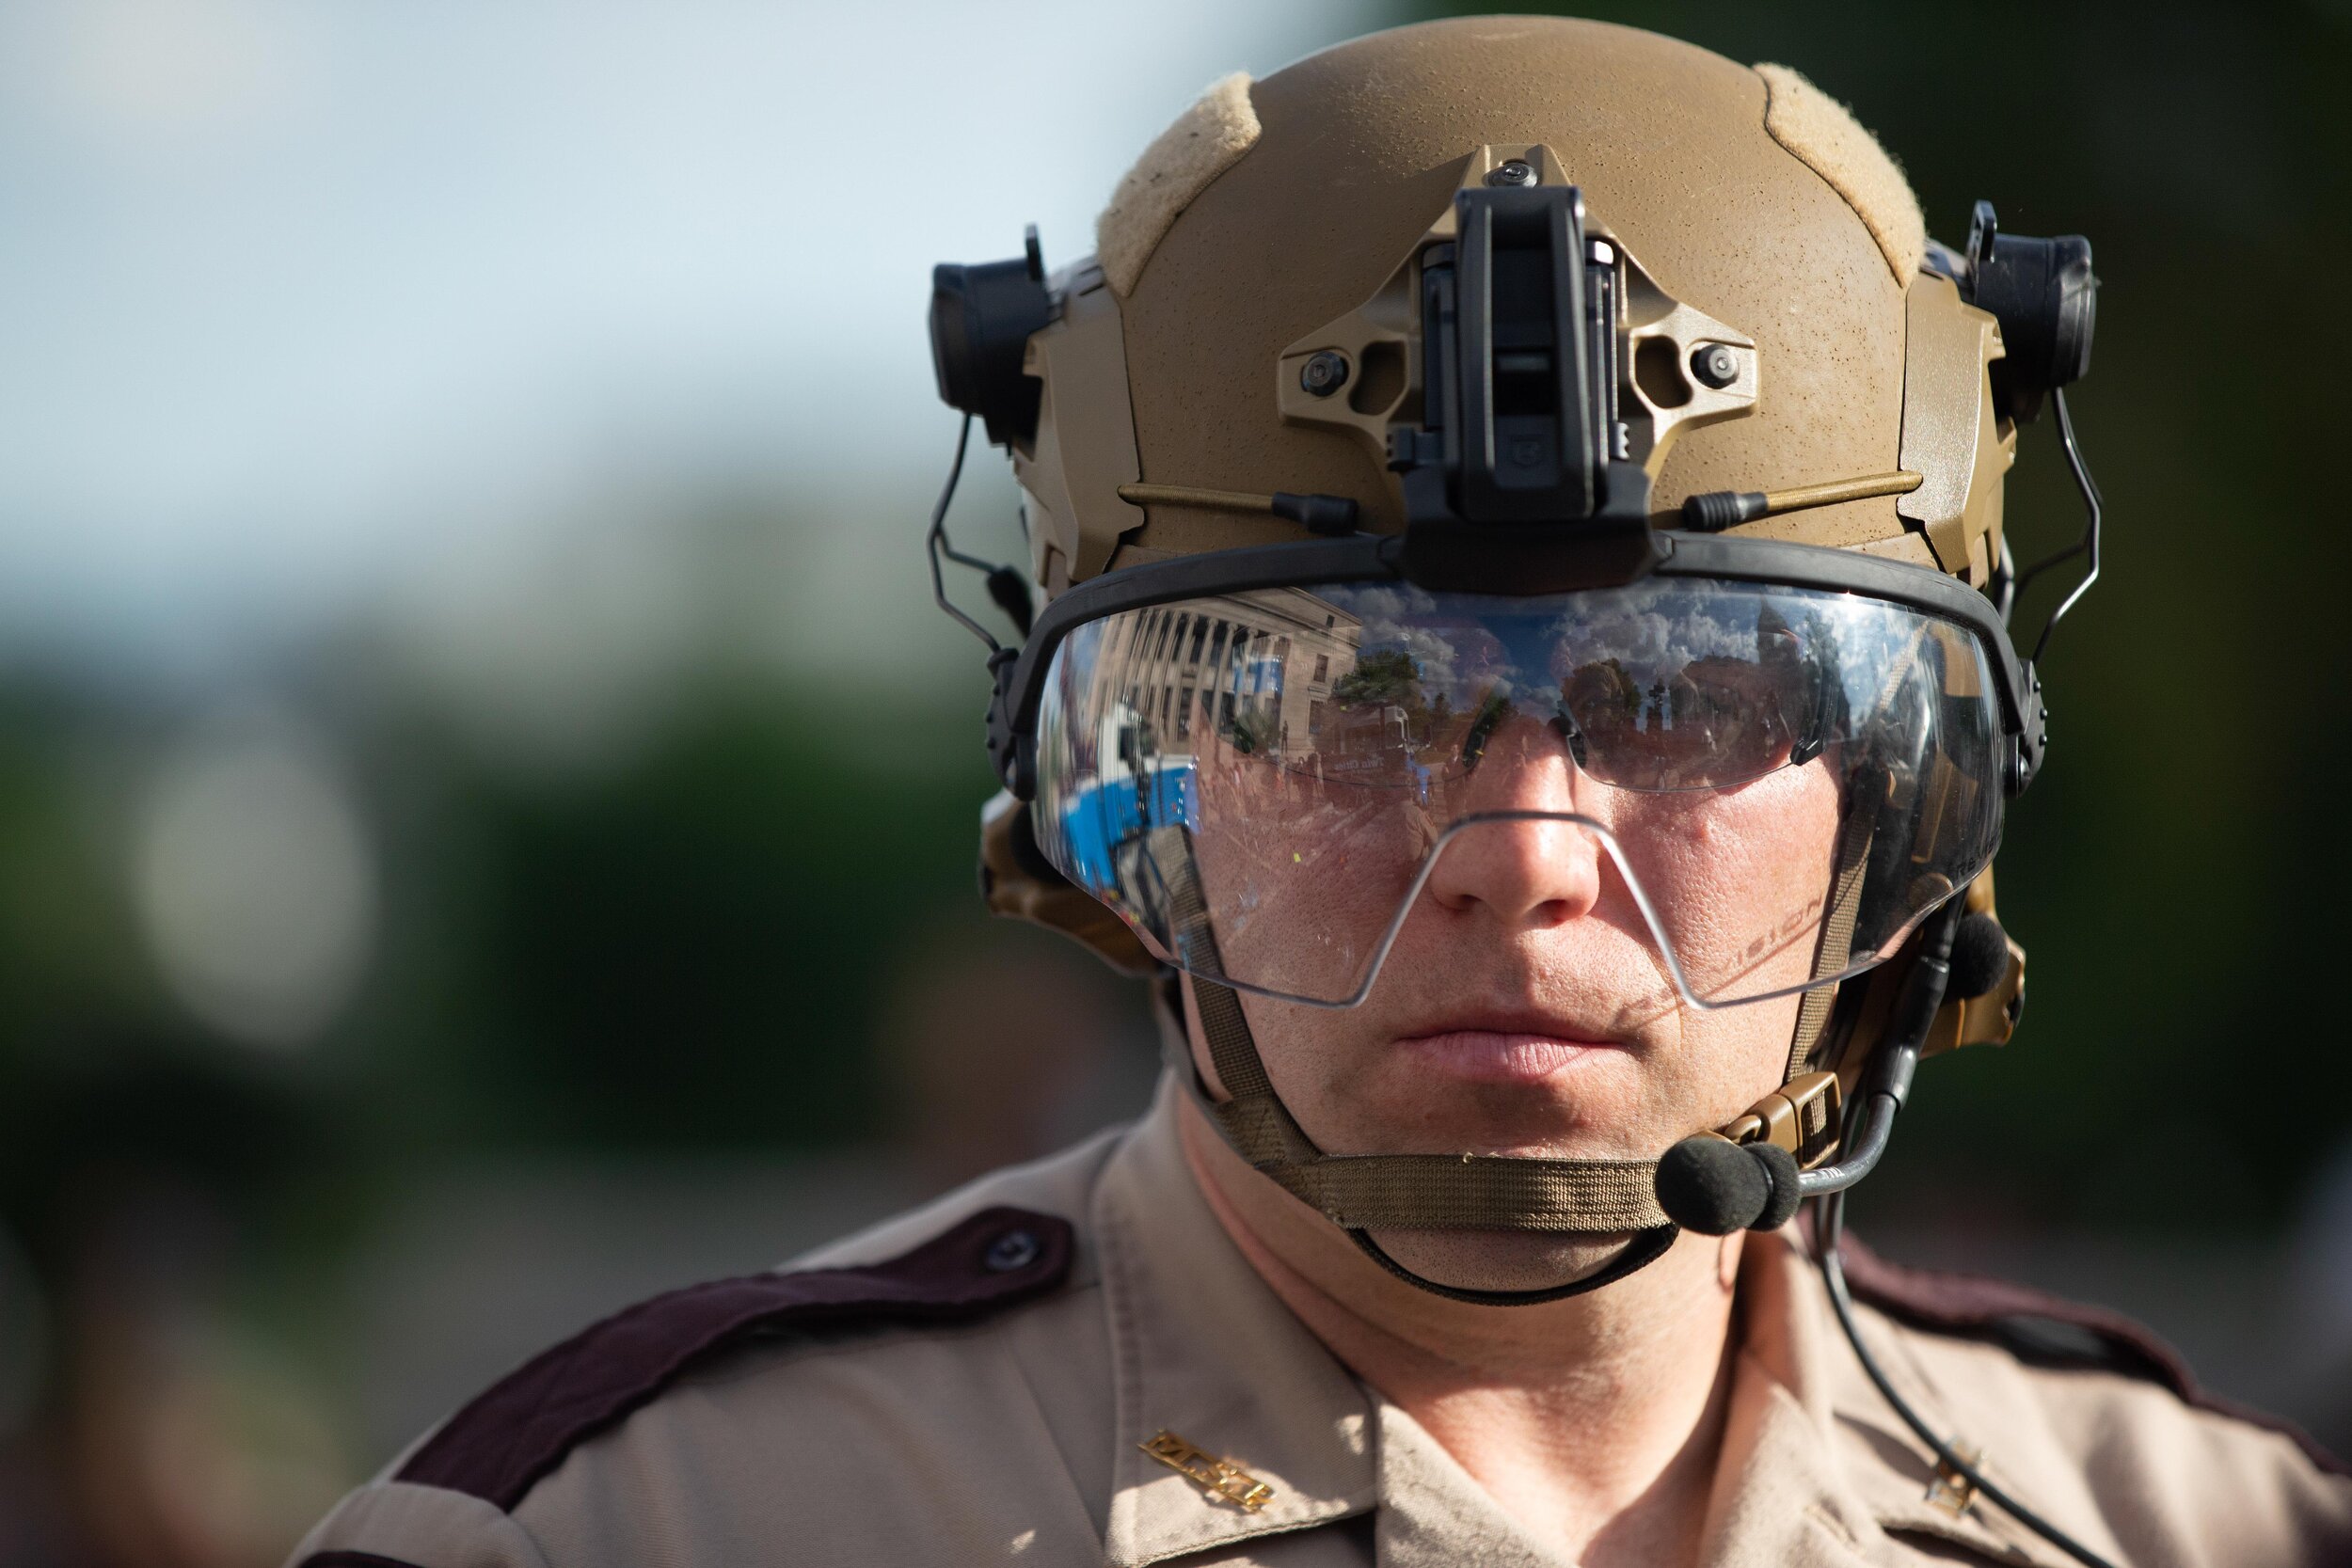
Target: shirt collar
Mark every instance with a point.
(1201, 1348)
(1779, 1494)
(1815, 1467)
(1434, 1514)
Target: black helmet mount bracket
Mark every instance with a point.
(1521, 342)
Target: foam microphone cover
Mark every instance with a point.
(1979, 957)
(1780, 1171)
(1713, 1187)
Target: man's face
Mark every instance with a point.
(1519, 867)
(1525, 1009)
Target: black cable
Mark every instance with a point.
(1829, 1230)
(1646, 1247)
(935, 542)
(2088, 544)
(1886, 1085)
(1006, 587)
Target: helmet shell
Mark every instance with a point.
(1273, 208)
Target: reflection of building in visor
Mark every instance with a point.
(1769, 785)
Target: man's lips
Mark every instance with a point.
(1500, 1055)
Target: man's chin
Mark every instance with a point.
(1500, 1259)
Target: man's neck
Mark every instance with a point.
(1593, 1422)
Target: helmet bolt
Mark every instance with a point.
(1715, 365)
(1512, 171)
(1324, 372)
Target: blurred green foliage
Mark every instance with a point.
(687, 953)
(684, 950)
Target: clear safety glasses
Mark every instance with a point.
(1736, 788)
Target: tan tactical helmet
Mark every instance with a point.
(1246, 358)
(1264, 225)
(1262, 228)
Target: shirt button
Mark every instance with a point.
(1014, 1250)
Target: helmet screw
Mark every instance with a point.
(1324, 372)
(1512, 171)
(1715, 365)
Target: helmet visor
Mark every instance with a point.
(1759, 789)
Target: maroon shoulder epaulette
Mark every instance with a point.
(500, 1445)
(2102, 1338)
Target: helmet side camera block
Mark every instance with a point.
(2046, 297)
(982, 316)
(1519, 454)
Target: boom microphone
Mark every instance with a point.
(1980, 956)
(1713, 1186)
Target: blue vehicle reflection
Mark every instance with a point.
(1125, 802)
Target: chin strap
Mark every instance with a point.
(1645, 1249)
(1406, 1192)
(1362, 1193)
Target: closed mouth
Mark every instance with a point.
(1507, 1055)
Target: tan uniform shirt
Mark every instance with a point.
(878, 1421)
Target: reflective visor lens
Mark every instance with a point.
(1737, 790)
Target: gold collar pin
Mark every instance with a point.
(1219, 1478)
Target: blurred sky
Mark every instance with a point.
(324, 310)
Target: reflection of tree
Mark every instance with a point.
(1826, 721)
(1254, 731)
(1388, 678)
(1488, 717)
(1603, 688)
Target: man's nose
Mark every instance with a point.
(1532, 875)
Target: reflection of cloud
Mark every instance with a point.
(1383, 605)
(1469, 646)
(257, 887)
(1431, 654)
(1458, 655)
(1655, 630)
